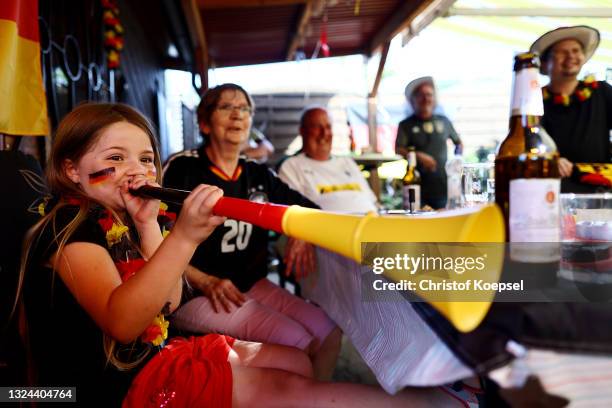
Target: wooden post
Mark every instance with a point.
(372, 123)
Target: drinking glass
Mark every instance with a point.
(586, 248)
(478, 183)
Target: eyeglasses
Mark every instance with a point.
(227, 109)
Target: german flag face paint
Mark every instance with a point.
(100, 177)
(151, 175)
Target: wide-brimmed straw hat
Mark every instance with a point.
(587, 36)
(415, 83)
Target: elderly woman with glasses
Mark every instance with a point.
(229, 269)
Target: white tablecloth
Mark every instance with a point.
(401, 349)
(397, 345)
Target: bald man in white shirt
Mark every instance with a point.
(333, 183)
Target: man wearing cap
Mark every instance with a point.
(427, 132)
(577, 114)
(333, 183)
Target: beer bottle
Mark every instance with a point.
(353, 145)
(527, 181)
(411, 183)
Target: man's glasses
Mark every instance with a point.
(227, 109)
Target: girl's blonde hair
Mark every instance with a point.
(76, 134)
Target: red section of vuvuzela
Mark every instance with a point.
(264, 215)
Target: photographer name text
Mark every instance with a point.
(448, 285)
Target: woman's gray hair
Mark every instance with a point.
(211, 98)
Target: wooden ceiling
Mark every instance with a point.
(242, 32)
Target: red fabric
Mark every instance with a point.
(595, 179)
(107, 222)
(186, 373)
(129, 268)
(165, 213)
(25, 14)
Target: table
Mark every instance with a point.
(402, 350)
(371, 162)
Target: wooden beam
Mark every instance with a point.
(298, 32)
(198, 37)
(399, 20)
(372, 108)
(224, 4)
(381, 68)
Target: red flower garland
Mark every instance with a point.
(127, 269)
(157, 332)
(583, 91)
(106, 222)
(113, 33)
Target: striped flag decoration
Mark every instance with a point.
(23, 106)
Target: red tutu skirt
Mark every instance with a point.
(190, 372)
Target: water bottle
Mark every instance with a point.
(454, 168)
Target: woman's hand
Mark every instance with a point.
(196, 220)
(143, 211)
(220, 292)
(300, 258)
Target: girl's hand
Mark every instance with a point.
(143, 211)
(196, 220)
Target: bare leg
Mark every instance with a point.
(276, 388)
(324, 360)
(252, 354)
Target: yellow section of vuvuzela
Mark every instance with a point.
(344, 234)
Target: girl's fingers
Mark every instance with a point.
(203, 197)
(214, 194)
(216, 220)
(195, 199)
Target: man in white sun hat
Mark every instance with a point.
(428, 133)
(577, 113)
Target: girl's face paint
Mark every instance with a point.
(152, 175)
(123, 151)
(101, 176)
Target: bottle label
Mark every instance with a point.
(534, 217)
(527, 95)
(412, 161)
(412, 193)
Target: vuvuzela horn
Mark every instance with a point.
(343, 234)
